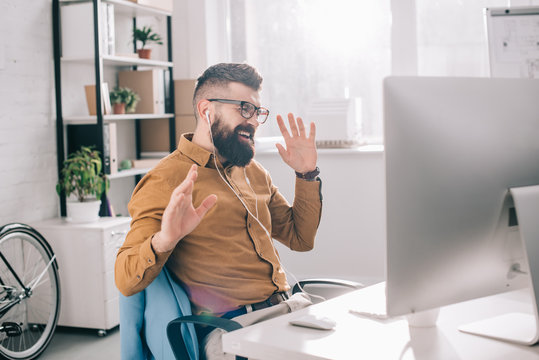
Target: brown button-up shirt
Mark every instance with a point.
(228, 260)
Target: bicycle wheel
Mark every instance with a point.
(25, 254)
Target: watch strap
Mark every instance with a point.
(311, 175)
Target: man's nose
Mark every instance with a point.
(253, 120)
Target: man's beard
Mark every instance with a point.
(228, 143)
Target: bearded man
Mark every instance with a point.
(209, 212)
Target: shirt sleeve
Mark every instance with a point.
(137, 264)
(295, 226)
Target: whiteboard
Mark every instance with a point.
(513, 41)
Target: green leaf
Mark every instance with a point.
(123, 95)
(146, 35)
(81, 174)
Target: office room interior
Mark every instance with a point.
(315, 56)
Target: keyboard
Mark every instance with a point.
(371, 302)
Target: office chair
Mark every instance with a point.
(179, 348)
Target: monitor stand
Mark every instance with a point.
(519, 327)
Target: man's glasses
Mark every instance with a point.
(247, 109)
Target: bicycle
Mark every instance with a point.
(29, 292)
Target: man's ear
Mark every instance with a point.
(204, 110)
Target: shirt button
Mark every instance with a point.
(138, 277)
(150, 261)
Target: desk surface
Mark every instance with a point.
(357, 337)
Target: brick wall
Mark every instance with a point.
(28, 170)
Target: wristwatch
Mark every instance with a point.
(311, 175)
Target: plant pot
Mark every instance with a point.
(118, 109)
(144, 53)
(83, 212)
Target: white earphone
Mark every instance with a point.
(207, 113)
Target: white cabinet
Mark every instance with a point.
(86, 254)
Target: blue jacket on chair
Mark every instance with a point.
(144, 318)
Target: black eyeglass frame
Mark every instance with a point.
(243, 109)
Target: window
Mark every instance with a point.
(451, 37)
(309, 49)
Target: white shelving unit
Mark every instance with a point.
(86, 252)
(126, 7)
(113, 60)
(73, 72)
(128, 173)
(92, 119)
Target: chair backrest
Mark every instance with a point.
(144, 318)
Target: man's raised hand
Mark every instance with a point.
(300, 153)
(180, 216)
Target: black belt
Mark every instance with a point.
(274, 299)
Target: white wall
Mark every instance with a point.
(28, 170)
(199, 36)
(189, 39)
(350, 242)
(451, 36)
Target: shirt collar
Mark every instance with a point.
(194, 152)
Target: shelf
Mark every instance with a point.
(126, 173)
(113, 60)
(133, 9)
(363, 149)
(92, 119)
(126, 7)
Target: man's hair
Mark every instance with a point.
(220, 75)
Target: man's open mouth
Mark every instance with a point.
(245, 134)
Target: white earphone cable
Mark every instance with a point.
(250, 213)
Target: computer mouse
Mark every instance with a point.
(314, 322)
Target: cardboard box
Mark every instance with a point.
(166, 5)
(154, 132)
(144, 163)
(150, 87)
(154, 135)
(183, 96)
(90, 99)
(184, 124)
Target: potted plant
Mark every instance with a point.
(145, 35)
(81, 177)
(123, 100)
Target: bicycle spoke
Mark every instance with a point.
(36, 311)
(32, 286)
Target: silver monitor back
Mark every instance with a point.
(453, 147)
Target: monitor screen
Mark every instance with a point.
(453, 148)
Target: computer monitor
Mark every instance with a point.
(453, 149)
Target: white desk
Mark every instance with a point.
(357, 337)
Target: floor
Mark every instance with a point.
(82, 344)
